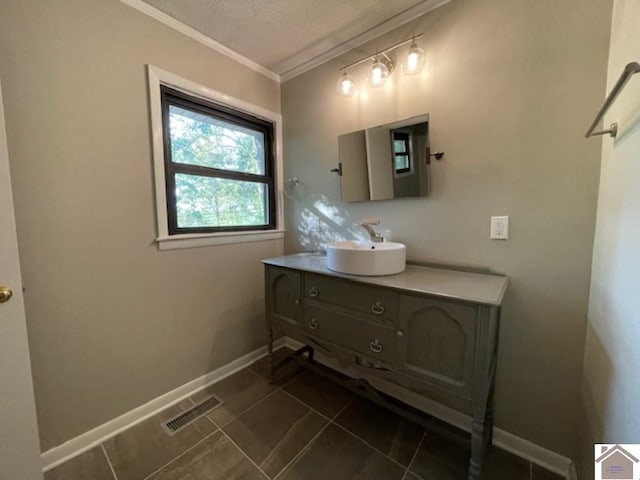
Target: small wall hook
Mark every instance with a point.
(338, 170)
(438, 155)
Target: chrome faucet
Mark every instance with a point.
(375, 236)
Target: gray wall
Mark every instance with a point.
(510, 87)
(112, 321)
(612, 359)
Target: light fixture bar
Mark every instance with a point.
(381, 52)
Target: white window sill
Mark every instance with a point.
(194, 240)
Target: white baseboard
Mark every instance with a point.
(507, 441)
(60, 454)
(501, 438)
(534, 453)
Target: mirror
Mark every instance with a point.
(385, 162)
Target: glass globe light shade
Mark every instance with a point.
(346, 86)
(415, 60)
(378, 74)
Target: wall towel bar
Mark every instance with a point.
(629, 70)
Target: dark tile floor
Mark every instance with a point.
(303, 427)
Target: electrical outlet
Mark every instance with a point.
(499, 228)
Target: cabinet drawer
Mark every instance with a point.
(378, 302)
(372, 339)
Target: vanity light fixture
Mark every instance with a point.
(346, 86)
(380, 70)
(382, 67)
(415, 60)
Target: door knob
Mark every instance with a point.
(5, 294)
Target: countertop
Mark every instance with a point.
(481, 288)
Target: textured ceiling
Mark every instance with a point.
(283, 34)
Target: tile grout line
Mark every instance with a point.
(311, 408)
(368, 444)
(302, 451)
(308, 445)
(113, 472)
(415, 454)
(244, 454)
(332, 421)
(219, 427)
(302, 370)
(343, 409)
(182, 454)
(231, 419)
(104, 450)
(291, 431)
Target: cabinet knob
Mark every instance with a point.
(313, 292)
(376, 346)
(399, 333)
(377, 308)
(297, 301)
(313, 324)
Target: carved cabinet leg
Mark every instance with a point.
(488, 431)
(478, 442)
(482, 399)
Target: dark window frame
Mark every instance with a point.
(406, 139)
(169, 97)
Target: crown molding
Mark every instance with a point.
(297, 65)
(192, 33)
(301, 62)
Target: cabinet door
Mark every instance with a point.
(438, 342)
(283, 296)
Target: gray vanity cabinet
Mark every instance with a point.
(438, 344)
(283, 297)
(429, 331)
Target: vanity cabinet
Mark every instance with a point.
(428, 331)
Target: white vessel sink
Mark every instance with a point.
(366, 258)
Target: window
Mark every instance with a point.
(216, 165)
(401, 152)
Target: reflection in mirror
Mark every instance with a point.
(385, 162)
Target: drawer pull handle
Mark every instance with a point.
(313, 292)
(376, 346)
(377, 308)
(399, 333)
(313, 324)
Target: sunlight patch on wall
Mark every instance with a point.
(323, 223)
